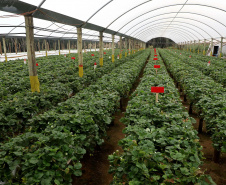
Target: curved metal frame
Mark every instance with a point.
(185, 36)
(184, 32)
(180, 37)
(165, 7)
(179, 28)
(172, 13)
(179, 22)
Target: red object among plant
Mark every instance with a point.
(95, 63)
(155, 55)
(92, 55)
(155, 59)
(105, 53)
(73, 58)
(157, 89)
(156, 66)
(36, 64)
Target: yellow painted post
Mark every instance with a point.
(204, 50)
(120, 55)
(221, 48)
(79, 47)
(4, 48)
(59, 46)
(113, 48)
(101, 49)
(35, 85)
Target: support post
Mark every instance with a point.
(79, 47)
(211, 52)
(221, 49)
(101, 49)
(129, 46)
(125, 47)
(204, 50)
(46, 47)
(16, 45)
(120, 55)
(69, 46)
(39, 46)
(35, 86)
(4, 48)
(95, 46)
(113, 48)
(59, 46)
(0, 47)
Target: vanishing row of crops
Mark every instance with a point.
(161, 146)
(206, 96)
(50, 149)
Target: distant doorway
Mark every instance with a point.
(215, 50)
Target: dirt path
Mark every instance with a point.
(216, 170)
(96, 165)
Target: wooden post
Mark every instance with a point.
(120, 55)
(19, 48)
(59, 46)
(0, 47)
(39, 46)
(113, 48)
(4, 48)
(204, 50)
(16, 45)
(125, 47)
(31, 54)
(211, 52)
(101, 49)
(79, 46)
(221, 48)
(200, 125)
(129, 46)
(46, 47)
(69, 46)
(194, 47)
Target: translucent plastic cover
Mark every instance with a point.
(179, 20)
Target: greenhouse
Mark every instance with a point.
(112, 92)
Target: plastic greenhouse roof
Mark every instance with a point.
(179, 20)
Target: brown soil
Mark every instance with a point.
(96, 165)
(216, 170)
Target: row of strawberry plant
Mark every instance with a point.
(210, 66)
(17, 109)
(51, 149)
(161, 146)
(206, 96)
(15, 77)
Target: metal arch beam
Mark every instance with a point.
(126, 13)
(184, 36)
(179, 22)
(180, 37)
(185, 23)
(174, 5)
(171, 13)
(182, 31)
(95, 13)
(172, 38)
(166, 22)
(187, 38)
